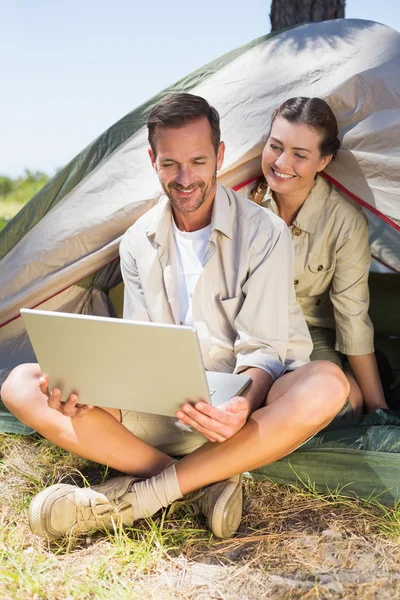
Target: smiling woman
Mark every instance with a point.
(330, 239)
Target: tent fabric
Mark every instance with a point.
(384, 242)
(50, 246)
(60, 252)
(358, 457)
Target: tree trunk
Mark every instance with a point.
(286, 13)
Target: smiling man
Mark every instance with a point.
(188, 179)
(206, 256)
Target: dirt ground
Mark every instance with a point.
(291, 544)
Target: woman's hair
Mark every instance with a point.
(315, 113)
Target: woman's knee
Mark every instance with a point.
(334, 384)
(333, 373)
(313, 382)
(322, 391)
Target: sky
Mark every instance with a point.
(69, 69)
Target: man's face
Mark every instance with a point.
(186, 164)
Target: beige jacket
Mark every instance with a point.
(244, 305)
(332, 259)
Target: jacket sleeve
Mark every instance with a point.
(272, 332)
(349, 291)
(134, 301)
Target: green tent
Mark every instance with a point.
(61, 251)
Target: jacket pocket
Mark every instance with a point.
(320, 264)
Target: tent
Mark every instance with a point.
(61, 251)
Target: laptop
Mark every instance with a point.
(116, 363)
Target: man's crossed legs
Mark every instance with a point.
(299, 404)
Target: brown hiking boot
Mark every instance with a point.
(221, 503)
(64, 509)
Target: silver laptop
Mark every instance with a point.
(116, 363)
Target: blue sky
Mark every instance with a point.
(71, 68)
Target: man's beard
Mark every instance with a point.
(180, 205)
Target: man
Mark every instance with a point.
(209, 257)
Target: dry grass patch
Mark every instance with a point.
(291, 544)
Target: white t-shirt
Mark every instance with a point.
(190, 250)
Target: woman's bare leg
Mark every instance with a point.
(98, 436)
(355, 394)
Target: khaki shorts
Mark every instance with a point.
(163, 433)
(324, 345)
(324, 349)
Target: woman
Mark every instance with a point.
(330, 238)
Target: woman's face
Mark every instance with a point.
(291, 157)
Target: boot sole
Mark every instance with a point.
(40, 510)
(227, 512)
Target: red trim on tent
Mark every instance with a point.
(362, 202)
(242, 185)
(236, 188)
(379, 260)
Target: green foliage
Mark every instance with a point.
(23, 188)
(6, 185)
(15, 193)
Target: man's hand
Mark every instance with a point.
(216, 424)
(70, 408)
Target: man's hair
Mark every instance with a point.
(179, 110)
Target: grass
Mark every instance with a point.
(292, 543)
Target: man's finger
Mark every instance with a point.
(217, 414)
(44, 385)
(203, 408)
(207, 426)
(208, 432)
(69, 408)
(53, 399)
(235, 405)
(202, 419)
